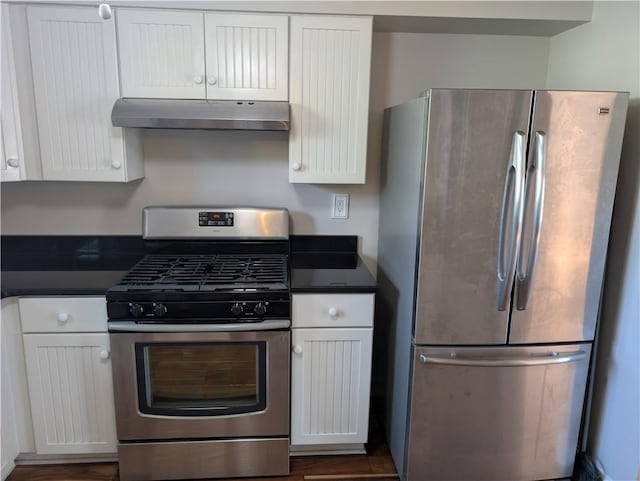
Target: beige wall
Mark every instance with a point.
(189, 167)
(605, 55)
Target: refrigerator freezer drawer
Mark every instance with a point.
(499, 414)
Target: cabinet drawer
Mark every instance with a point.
(63, 314)
(332, 310)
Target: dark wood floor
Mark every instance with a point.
(377, 461)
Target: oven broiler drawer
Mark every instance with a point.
(203, 459)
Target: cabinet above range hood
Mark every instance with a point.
(200, 114)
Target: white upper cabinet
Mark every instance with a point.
(75, 78)
(12, 165)
(247, 56)
(329, 82)
(161, 53)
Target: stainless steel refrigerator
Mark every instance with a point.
(494, 222)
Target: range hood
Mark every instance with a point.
(200, 114)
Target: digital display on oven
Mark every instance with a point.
(215, 219)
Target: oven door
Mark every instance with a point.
(207, 384)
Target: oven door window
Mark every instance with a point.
(201, 379)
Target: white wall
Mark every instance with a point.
(605, 55)
(185, 167)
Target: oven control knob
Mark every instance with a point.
(237, 309)
(159, 310)
(136, 310)
(260, 309)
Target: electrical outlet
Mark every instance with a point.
(340, 206)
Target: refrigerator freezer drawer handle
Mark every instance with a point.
(509, 362)
(512, 225)
(536, 170)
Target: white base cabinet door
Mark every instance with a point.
(71, 392)
(329, 82)
(330, 379)
(75, 80)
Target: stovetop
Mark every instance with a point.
(193, 273)
(202, 288)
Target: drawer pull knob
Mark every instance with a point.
(333, 313)
(104, 11)
(104, 355)
(297, 349)
(62, 317)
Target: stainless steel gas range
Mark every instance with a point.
(200, 343)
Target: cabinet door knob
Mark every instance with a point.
(297, 349)
(62, 317)
(116, 164)
(333, 312)
(296, 166)
(198, 79)
(104, 355)
(13, 162)
(104, 11)
(212, 80)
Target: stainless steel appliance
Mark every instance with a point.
(494, 221)
(200, 343)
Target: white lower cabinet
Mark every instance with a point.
(71, 393)
(66, 348)
(330, 369)
(9, 448)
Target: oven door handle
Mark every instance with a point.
(132, 326)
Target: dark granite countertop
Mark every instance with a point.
(65, 265)
(54, 283)
(89, 265)
(326, 264)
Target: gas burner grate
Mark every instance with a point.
(207, 273)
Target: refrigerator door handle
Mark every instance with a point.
(551, 358)
(536, 170)
(512, 196)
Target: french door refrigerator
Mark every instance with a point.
(494, 221)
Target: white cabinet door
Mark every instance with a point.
(247, 56)
(12, 166)
(71, 392)
(8, 441)
(330, 378)
(161, 53)
(75, 78)
(9, 447)
(329, 82)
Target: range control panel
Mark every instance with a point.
(215, 219)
